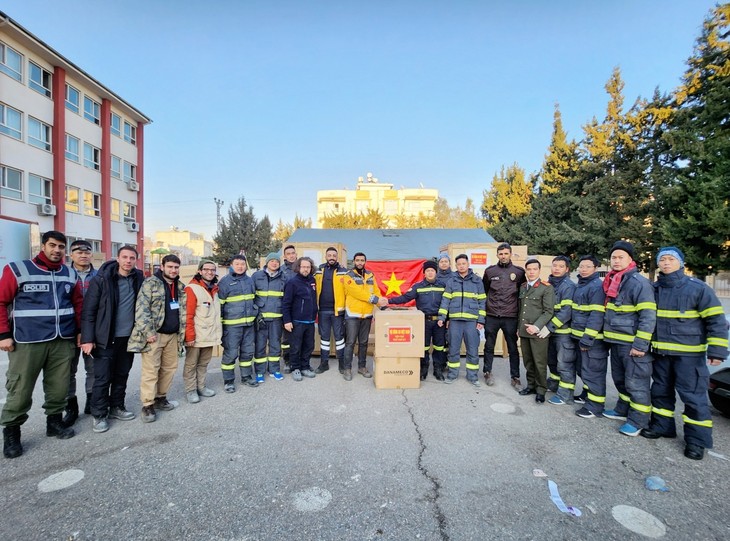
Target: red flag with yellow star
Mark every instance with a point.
(396, 277)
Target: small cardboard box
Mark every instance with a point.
(399, 333)
(397, 372)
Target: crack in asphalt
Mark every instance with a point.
(434, 494)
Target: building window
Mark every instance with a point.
(130, 133)
(91, 110)
(11, 121)
(39, 134)
(39, 189)
(115, 249)
(95, 245)
(11, 183)
(116, 211)
(116, 167)
(116, 125)
(130, 212)
(11, 62)
(130, 172)
(72, 148)
(72, 99)
(72, 199)
(39, 79)
(92, 155)
(92, 204)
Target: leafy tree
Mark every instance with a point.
(242, 232)
(371, 219)
(561, 161)
(697, 202)
(284, 230)
(509, 195)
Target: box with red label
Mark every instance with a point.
(397, 372)
(399, 333)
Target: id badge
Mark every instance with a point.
(174, 305)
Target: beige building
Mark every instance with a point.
(373, 194)
(188, 246)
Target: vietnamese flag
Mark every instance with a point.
(396, 277)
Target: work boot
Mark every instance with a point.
(72, 412)
(148, 415)
(489, 379)
(347, 374)
(11, 442)
(55, 427)
(87, 406)
(322, 368)
(121, 413)
(162, 403)
(363, 371)
(438, 374)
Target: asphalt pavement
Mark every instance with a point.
(326, 459)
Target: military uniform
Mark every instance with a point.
(537, 303)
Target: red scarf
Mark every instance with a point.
(612, 281)
(42, 261)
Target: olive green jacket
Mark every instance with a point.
(537, 304)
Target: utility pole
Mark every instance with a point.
(218, 205)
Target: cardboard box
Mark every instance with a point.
(399, 333)
(397, 372)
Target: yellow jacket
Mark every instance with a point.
(361, 293)
(339, 289)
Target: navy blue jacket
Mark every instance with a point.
(300, 299)
(427, 294)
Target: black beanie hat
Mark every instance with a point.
(623, 245)
(430, 265)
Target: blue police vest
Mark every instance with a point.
(42, 309)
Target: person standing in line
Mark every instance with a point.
(299, 313)
(444, 271)
(537, 301)
(589, 302)
(40, 305)
(159, 335)
(427, 294)
(502, 285)
(691, 331)
(269, 285)
(360, 297)
(628, 327)
(202, 329)
(81, 263)
(107, 320)
(290, 257)
(462, 305)
(561, 348)
(331, 303)
(238, 315)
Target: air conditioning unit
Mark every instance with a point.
(133, 186)
(46, 209)
(133, 227)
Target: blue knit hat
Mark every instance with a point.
(443, 255)
(673, 251)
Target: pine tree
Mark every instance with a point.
(242, 232)
(561, 161)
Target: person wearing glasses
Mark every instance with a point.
(203, 330)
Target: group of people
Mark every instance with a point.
(52, 314)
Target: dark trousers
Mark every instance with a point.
(357, 330)
(88, 368)
(508, 325)
(301, 345)
(632, 378)
(268, 346)
(111, 371)
(331, 323)
(688, 376)
(437, 336)
(594, 365)
(534, 355)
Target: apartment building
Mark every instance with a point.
(71, 150)
(370, 193)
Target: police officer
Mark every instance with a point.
(427, 293)
(690, 327)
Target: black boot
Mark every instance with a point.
(11, 442)
(55, 427)
(72, 412)
(87, 407)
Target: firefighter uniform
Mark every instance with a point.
(561, 348)
(690, 327)
(238, 314)
(269, 294)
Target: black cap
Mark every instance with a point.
(430, 265)
(84, 245)
(624, 246)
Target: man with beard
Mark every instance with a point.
(106, 324)
(290, 257)
(159, 334)
(331, 302)
(360, 288)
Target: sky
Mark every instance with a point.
(274, 100)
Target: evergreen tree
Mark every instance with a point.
(697, 202)
(561, 161)
(242, 232)
(509, 195)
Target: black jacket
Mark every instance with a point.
(502, 285)
(300, 299)
(100, 305)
